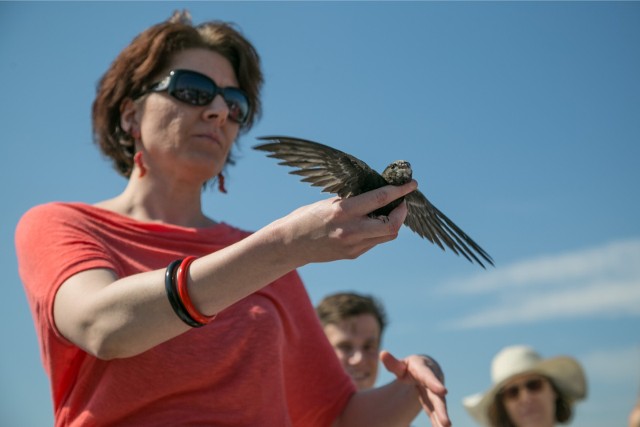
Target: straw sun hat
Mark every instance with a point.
(565, 372)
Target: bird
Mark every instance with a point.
(341, 173)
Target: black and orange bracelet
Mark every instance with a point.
(174, 299)
(183, 293)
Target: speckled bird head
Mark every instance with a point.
(398, 172)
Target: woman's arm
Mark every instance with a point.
(112, 317)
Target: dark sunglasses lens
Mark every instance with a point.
(196, 89)
(534, 385)
(193, 89)
(238, 104)
(512, 392)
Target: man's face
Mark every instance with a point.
(356, 341)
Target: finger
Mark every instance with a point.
(426, 402)
(433, 378)
(367, 202)
(398, 215)
(435, 421)
(435, 407)
(435, 367)
(439, 408)
(385, 229)
(393, 365)
(434, 384)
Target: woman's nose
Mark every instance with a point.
(217, 109)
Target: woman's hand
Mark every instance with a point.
(337, 228)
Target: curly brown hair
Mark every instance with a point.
(131, 74)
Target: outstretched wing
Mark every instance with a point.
(428, 222)
(322, 166)
(345, 175)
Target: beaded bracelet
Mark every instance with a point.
(183, 293)
(172, 295)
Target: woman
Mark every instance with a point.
(149, 312)
(528, 391)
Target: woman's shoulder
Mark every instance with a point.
(49, 224)
(52, 216)
(53, 211)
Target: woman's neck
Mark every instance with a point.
(159, 202)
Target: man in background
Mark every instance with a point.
(354, 325)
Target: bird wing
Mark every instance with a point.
(428, 222)
(345, 175)
(322, 166)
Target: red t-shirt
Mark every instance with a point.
(262, 362)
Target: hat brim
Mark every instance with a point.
(565, 372)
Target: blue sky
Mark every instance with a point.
(521, 121)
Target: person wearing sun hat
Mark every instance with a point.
(528, 390)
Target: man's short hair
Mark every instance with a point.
(338, 307)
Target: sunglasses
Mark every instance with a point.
(533, 386)
(197, 89)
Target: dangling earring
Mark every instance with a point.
(138, 161)
(137, 158)
(221, 183)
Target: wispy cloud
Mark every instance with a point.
(602, 281)
(617, 259)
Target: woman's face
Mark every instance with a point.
(185, 142)
(530, 401)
